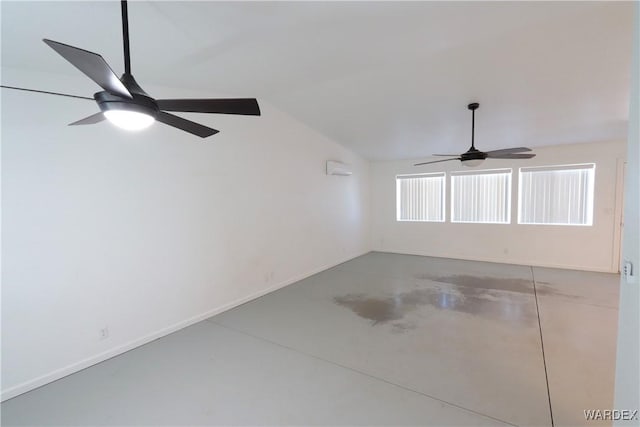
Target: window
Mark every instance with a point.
(420, 197)
(561, 195)
(481, 196)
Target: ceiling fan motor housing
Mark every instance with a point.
(473, 154)
(140, 102)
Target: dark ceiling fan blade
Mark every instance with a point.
(445, 155)
(91, 120)
(509, 150)
(185, 125)
(436, 161)
(46, 92)
(510, 156)
(244, 106)
(93, 65)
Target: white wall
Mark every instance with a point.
(627, 394)
(588, 248)
(149, 232)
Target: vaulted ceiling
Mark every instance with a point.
(390, 80)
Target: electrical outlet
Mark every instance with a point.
(103, 333)
(626, 269)
(627, 272)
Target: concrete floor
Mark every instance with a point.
(383, 339)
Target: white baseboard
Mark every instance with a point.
(101, 357)
(499, 261)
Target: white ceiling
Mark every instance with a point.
(391, 80)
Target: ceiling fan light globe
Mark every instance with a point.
(129, 120)
(472, 163)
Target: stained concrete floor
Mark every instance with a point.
(383, 339)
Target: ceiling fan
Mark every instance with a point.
(473, 157)
(125, 104)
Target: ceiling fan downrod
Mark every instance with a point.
(473, 107)
(125, 36)
(127, 78)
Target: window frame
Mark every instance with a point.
(508, 192)
(574, 166)
(443, 195)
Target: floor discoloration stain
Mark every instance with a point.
(523, 286)
(487, 303)
(402, 327)
(378, 310)
(545, 289)
(485, 282)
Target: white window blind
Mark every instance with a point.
(561, 195)
(481, 196)
(420, 197)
